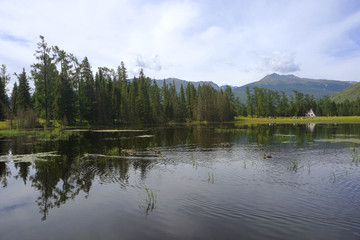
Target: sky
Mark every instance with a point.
(227, 42)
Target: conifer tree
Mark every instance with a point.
(44, 75)
(4, 102)
(14, 97)
(23, 98)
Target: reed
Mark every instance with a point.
(211, 178)
(151, 198)
(293, 166)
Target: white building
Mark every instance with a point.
(310, 113)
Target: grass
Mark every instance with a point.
(12, 133)
(293, 166)
(151, 199)
(4, 125)
(340, 119)
(115, 151)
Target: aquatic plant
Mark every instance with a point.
(151, 199)
(112, 151)
(293, 166)
(211, 178)
(355, 156)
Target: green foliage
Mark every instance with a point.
(68, 92)
(4, 102)
(350, 93)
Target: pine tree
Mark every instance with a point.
(64, 96)
(4, 101)
(23, 98)
(155, 104)
(249, 102)
(87, 92)
(182, 105)
(14, 97)
(43, 74)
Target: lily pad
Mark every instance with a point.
(28, 157)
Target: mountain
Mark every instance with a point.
(287, 83)
(179, 82)
(351, 93)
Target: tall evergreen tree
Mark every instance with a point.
(43, 73)
(23, 98)
(4, 102)
(14, 97)
(86, 94)
(64, 95)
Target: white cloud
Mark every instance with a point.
(152, 63)
(280, 62)
(222, 41)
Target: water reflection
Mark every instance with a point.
(62, 178)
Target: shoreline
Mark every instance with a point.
(289, 120)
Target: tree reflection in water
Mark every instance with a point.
(61, 178)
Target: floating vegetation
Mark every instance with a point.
(77, 130)
(145, 136)
(211, 178)
(339, 140)
(112, 151)
(293, 166)
(118, 130)
(229, 130)
(151, 199)
(42, 156)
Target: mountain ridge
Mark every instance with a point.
(286, 83)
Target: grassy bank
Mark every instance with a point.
(248, 120)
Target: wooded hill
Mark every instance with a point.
(287, 83)
(350, 93)
(281, 83)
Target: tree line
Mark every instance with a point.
(67, 90)
(261, 102)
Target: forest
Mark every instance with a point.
(68, 92)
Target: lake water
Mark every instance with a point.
(208, 182)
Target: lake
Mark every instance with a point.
(182, 182)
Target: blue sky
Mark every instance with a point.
(228, 42)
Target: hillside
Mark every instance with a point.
(351, 93)
(287, 83)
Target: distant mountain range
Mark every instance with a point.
(286, 83)
(351, 93)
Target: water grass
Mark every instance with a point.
(211, 178)
(115, 151)
(151, 199)
(293, 166)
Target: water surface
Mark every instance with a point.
(212, 182)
